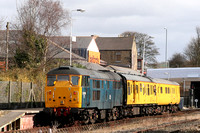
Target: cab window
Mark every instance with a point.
(85, 81)
(50, 80)
(63, 78)
(75, 80)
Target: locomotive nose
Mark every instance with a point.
(63, 94)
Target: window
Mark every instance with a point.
(140, 87)
(108, 86)
(161, 90)
(144, 91)
(85, 81)
(75, 80)
(148, 90)
(102, 84)
(129, 91)
(118, 57)
(166, 90)
(63, 78)
(114, 85)
(136, 88)
(96, 95)
(119, 85)
(50, 80)
(97, 83)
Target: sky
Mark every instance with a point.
(109, 18)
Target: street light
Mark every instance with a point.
(166, 48)
(70, 55)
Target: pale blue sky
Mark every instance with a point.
(112, 17)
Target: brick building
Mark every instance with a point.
(119, 51)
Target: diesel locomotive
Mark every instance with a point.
(90, 96)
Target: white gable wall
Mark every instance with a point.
(93, 46)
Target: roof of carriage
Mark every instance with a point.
(102, 74)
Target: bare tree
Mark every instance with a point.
(38, 20)
(150, 49)
(177, 60)
(192, 51)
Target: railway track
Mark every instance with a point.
(166, 122)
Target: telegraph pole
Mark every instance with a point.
(7, 42)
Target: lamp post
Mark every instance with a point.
(166, 49)
(70, 50)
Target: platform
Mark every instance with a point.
(17, 119)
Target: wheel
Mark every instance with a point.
(93, 116)
(109, 116)
(115, 113)
(85, 117)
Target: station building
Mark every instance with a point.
(188, 78)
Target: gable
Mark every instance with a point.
(93, 46)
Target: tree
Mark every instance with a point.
(177, 60)
(150, 49)
(192, 51)
(39, 19)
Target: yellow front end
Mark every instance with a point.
(63, 93)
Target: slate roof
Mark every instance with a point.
(81, 42)
(114, 43)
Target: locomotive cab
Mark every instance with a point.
(63, 91)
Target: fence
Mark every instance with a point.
(20, 95)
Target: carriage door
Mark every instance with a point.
(136, 92)
(129, 92)
(108, 96)
(85, 91)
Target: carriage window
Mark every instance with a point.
(115, 84)
(129, 91)
(166, 90)
(63, 78)
(148, 90)
(97, 83)
(108, 86)
(50, 80)
(136, 88)
(140, 87)
(85, 81)
(119, 85)
(144, 90)
(96, 95)
(160, 89)
(75, 80)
